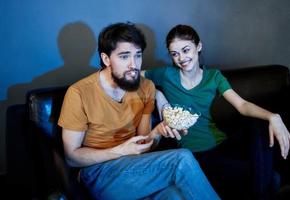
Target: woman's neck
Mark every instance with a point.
(191, 74)
(190, 79)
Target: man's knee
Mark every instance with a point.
(185, 156)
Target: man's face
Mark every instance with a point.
(125, 62)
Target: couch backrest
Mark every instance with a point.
(266, 86)
(263, 85)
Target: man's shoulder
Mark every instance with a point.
(86, 82)
(146, 88)
(146, 83)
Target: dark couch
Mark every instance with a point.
(34, 147)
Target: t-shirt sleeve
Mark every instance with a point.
(222, 82)
(73, 116)
(156, 75)
(150, 98)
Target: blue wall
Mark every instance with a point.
(48, 43)
(31, 29)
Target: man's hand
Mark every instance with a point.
(133, 146)
(278, 130)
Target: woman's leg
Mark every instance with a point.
(135, 177)
(265, 181)
(242, 164)
(229, 176)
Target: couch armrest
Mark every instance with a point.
(54, 176)
(20, 168)
(286, 114)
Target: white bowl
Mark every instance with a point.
(178, 116)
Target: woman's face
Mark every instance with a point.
(184, 53)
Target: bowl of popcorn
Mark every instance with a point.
(178, 116)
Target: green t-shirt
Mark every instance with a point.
(203, 135)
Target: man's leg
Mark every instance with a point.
(169, 193)
(135, 177)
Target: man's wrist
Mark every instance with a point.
(115, 152)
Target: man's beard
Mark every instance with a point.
(127, 85)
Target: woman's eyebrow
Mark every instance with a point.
(185, 47)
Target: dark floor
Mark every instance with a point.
(11, 192)
(8, 193)
(3, 186)
(284, 193)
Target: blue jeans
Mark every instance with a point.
(171, 174)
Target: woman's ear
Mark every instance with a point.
(105, 59)
(199, 46)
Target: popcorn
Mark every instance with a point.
(178, 118)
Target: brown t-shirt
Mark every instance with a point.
(107, 123)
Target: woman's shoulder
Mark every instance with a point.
(211, 70)
(211, 73)
(171, 68)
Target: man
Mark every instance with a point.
(106, 126)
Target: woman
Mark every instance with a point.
(189, 83)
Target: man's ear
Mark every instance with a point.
(199, 46)
(105, 59)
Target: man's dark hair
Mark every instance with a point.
(119, 32)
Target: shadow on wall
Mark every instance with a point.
(77, 45)
(149, 59)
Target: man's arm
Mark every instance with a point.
(79, 156)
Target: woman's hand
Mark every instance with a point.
(278, 130)
(166, 131)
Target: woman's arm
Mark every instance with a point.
(144, 128)
(143, 73)
(160, 102)
(160, 98)
(276, 126)
(162, 128)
